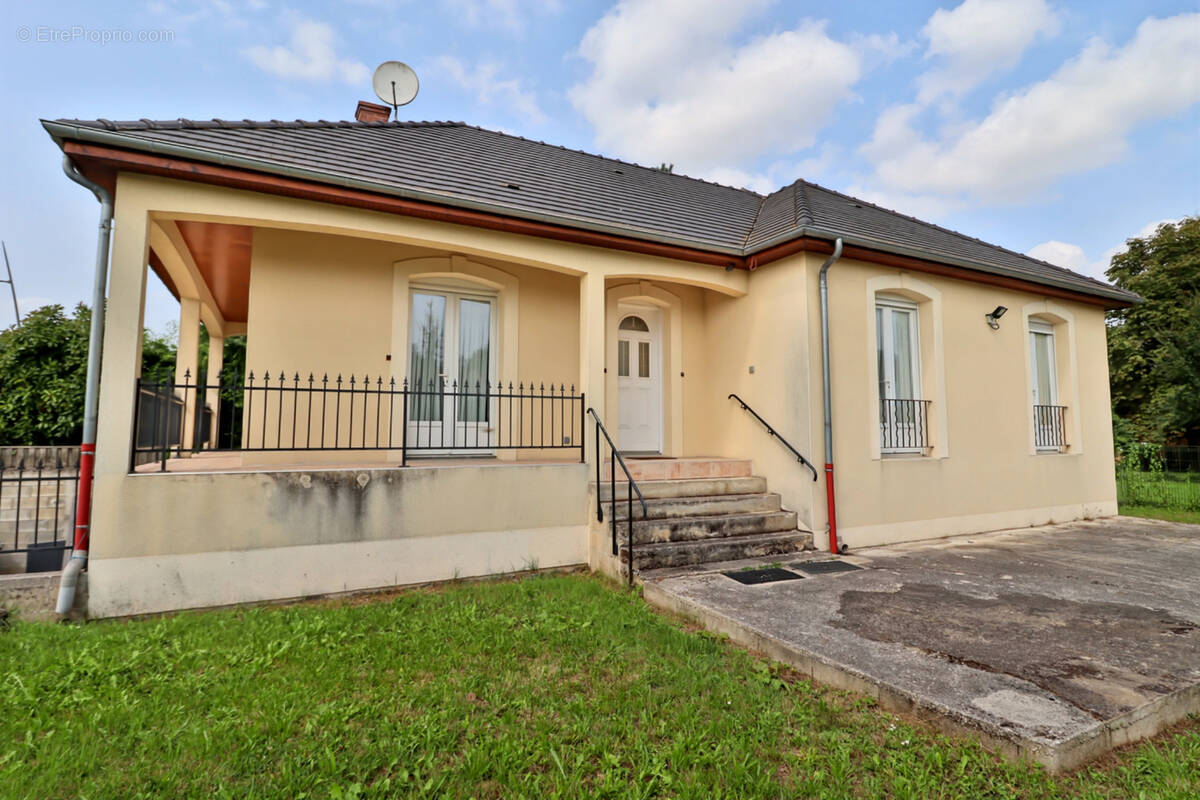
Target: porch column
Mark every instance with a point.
(122, 359)
(187, 364)
(591, 349)
(216, 360)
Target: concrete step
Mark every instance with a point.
(665, 469)
(726, 548)
(675, 507)
(683, 529)
(688, 487)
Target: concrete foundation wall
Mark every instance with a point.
(207, 539)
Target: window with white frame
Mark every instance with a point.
(902, 412)
(1049, 418)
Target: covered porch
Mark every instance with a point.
(382, 400)
(345, 350)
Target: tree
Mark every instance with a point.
(43, 373)
(1154, 346)
(43, 362)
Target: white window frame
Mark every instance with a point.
(1037, 328)
(420, 430)
(885, 305)
(1040, 328)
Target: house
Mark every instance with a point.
(437, 317)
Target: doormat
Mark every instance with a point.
(824, 567)
(752, 577)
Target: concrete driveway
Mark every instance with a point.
(1053, 644)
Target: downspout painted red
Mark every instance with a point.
(91, 401)
(834, 546)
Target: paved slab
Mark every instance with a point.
(1053, 644)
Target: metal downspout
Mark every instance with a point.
(829, 495)
(87, 450)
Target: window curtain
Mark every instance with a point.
(427, 357)
(474, 358)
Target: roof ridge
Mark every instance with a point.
(217, 122)
(802, 213)
(953, 232)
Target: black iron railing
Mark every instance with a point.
(37, 510)
(903, 425)
(284, 413)
(1050, 426)
(631, 488)
(771, 431)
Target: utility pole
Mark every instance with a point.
(10, 283)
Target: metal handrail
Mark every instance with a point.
(775, 433)
(614, 459)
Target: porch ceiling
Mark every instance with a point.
(222, 255)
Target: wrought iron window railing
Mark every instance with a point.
(282, 413)
(903, 425)
(1049, 427)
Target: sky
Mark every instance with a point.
(1057, 129)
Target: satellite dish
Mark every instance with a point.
(395, 83)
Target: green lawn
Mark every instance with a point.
(1169, 491)
(1153, 512)
(559, 686)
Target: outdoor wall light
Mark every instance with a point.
(993, 318)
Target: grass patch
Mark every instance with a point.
(1153, 512)
(556, 686)
(1170, 491)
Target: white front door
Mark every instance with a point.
(451, 372)
(639, 382)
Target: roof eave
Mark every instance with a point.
(1120, 297)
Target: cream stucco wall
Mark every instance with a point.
(759, 349)
(339, 305)
(986, 475)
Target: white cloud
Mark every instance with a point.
(669, 84)
(1063, 254)
(880, 48)
(979, 38)
(921, 206)
(181, 15)
(509, 14)
(1076, 120)
(1073, 257)
(310, 55)
(489, 89)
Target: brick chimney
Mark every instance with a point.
(372, 112)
